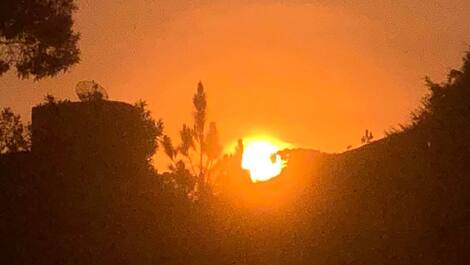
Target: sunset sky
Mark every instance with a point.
(312, 73)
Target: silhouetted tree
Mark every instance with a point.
(14, 136)
(168, 147)
(198, 145)
(200, 104)
(184, 181)
(187, 144)
(36, 37)
(230, 175)
(367, 137)
(51, 100)
(151, 130)
(447, 103)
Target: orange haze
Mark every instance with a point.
(311, 73)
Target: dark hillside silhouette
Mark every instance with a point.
(403, 199)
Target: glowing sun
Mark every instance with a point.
(260, 158)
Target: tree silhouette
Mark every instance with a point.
(36, 37)
(447, 103)
(168, 147)
(14, 136)
(184, 181)
(151, 130)
(187, 144)
(367, 137)
(198, 150)
(230, 175)
(200, 104)
(52, 100)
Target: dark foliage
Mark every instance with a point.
(151, 130)
(14, 136)
(197, 154)
(36, 37)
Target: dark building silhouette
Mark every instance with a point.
(74, 195)
(100, 130)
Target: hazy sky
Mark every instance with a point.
(313, 73)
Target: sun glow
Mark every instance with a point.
(260, 158)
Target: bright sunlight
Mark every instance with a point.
(260, 158)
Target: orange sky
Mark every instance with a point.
(312, 73)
